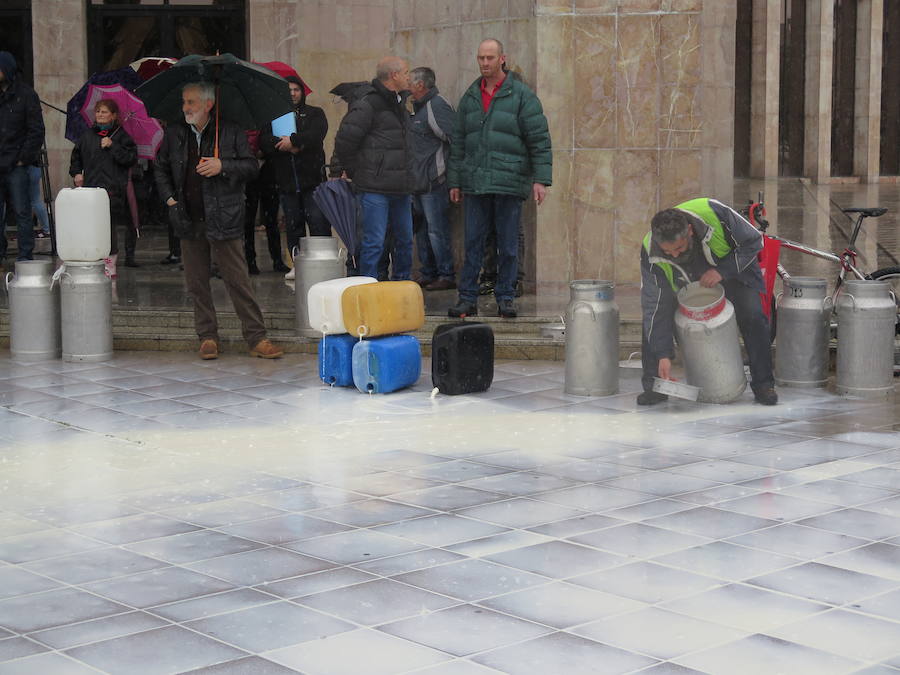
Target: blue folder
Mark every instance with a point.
(284, 125)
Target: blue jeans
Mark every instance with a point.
(482, 212)
(15, 184)
(36, 194)
(433, 237)
(378, 213)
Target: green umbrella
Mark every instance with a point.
(247, 94)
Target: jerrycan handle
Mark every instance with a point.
(362, 330)
(8, 275)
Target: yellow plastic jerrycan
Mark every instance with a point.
(383, 308)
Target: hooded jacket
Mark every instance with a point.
(21, 119)
(722, 239)
(305, 169)
(432, 125)
(223, 195)
(104, 167)
(372, 143)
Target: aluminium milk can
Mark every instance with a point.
(316, 260)
(33, 312)
(592, 339)
(866, 314)
(86, 300)
(801, 350)
(706, 329)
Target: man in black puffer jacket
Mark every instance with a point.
(205, 196)
(21, 137)
(372, 148)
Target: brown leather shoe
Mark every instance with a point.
(440, 285)
(264, 349)
(209, 350)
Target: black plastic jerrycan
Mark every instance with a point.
(462, 357)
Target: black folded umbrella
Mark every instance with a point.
(338, 203)
(345, 89)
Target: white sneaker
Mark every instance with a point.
(290, 276)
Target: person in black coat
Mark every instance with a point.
(299, 163)
(102, 158)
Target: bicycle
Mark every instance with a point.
(756, 212)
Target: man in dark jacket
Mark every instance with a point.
(205, 196)
(432, 125)
(702, 240)
(373, 150)
(21, 138)
(299, 161)
(500, 156)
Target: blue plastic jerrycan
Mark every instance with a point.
(336, 359)
(385, 364)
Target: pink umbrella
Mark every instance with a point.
(145, 130)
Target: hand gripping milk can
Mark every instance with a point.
(315, 260)
(33, 312)
(592, 339)
(801, 349)
(866, 314)
(707, 333)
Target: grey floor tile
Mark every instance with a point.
(249, 665)
(471, 580)
(459, 470)
(44, 544)
(646, 510)
(222, 512)
(886, 507)
(521, 483)
(440, 530)
(171, 649)
(464, 630)
(19, 647)
(77, 512)
(722, 560)
(317, 582)
(354, 546)
(823, 583)
(775, 506)
(96, 630)
(798, 541)
(661, 483)
(639, 540)
(376, 602)
(16, 581)
(669, 668)
(284, 528)
(45, 663)
(209, 605)
(883, 477)
(577, 525)
(882, 560)
(562, 653)
(717, 495)
(764, 654)
(369, 512)
(647, 582)
(856, 522)
(408, 562)
(745, 608)
(193, 546)
(156, 587)
(12, 525)
(260, 566)
(722, 471)
(28, 613)
(854, 636)
(103, 563)
(561, 605)
(448, 497)
(710, 522)
(838, 492)
(457, 667)
(385, 483)
(886, 606)
(520, 513)
(133, 528)
(779, 458)
(557, 559)
(672, 634)
(595, 498)
(306, 498)
(268, 627)
(498, 543)
(351, 654)
(586, 471)
(391, 460)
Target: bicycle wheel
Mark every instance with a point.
(891, 274)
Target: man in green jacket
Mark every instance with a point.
(500, 157)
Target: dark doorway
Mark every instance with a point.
(890, 91)
(15, 34)
(843, 85)
(791, 95)
(122, 31)
(742, 82)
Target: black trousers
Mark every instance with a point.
(261, 193)
(754, 328)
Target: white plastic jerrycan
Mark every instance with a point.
(324, 303)
(82, 224)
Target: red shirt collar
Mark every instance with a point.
(494, 89)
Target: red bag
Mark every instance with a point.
(768, 264)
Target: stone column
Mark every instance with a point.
(58, 73)
(764, 89)
(819, 67)
(867, 113)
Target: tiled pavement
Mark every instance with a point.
(159, 514)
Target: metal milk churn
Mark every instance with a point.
(592, 339)
(706, 329)
(801, 350)
(33, 312)
(86, 300)
(316, 260)
(866, 313)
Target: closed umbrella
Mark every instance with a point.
(336, 200)
(146, 131)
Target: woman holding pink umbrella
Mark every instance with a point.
(102, 158)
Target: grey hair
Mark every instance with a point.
(424, 75)
(207, 90)
(388, 66)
